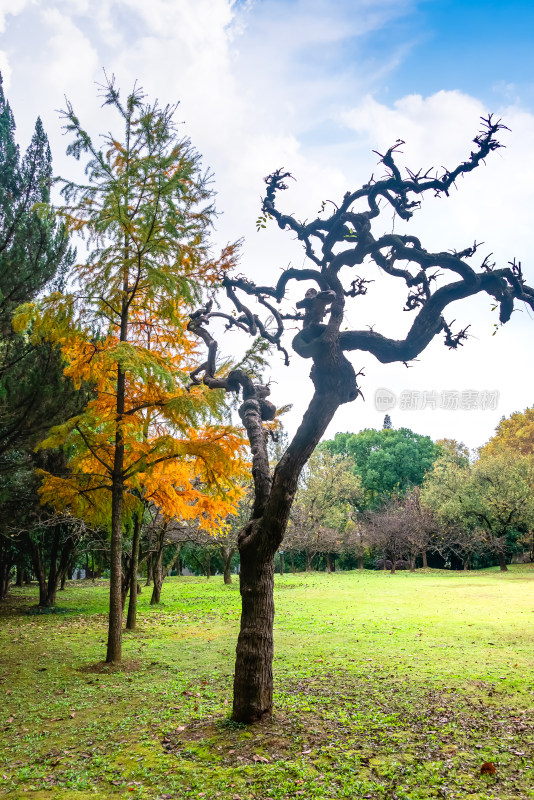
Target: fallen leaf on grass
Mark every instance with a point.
(258, 758)
(487, 768)
(9, 720)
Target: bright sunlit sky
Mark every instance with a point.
(314, 86)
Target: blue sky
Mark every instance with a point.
(315, 86)
(477, 47)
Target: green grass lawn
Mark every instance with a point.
(386, 687)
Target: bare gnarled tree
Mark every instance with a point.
(341, 242)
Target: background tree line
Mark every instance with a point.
(396, 500)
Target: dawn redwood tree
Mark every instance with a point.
(146, 212)
(341, 251)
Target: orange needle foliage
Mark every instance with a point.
(175, 455)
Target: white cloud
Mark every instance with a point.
(11, 8)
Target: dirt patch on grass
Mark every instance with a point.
(232, 744)
(102, 667)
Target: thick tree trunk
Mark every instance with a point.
(425, 563)
(20, 576)
(253, 680)
(360, 562)
(412, 565)
(132, 604)
(502, 562)
(258, 542)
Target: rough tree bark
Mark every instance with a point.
(335, 243)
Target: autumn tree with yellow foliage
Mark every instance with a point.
(146, 212)
(514, 434)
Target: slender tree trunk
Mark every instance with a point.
(58, 571)
(40, 572)
(227, 555)
(5, 573)
(157, 575)
(328, 564)
(360, 562)
(333, 563)
(132, 605)
(20, 576)
(281, 562)
(148, 570)
(425, 563)
(175, 560)
(43, 588)
(412, 564)
(114, 649)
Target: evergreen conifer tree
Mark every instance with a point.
(34, 254)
